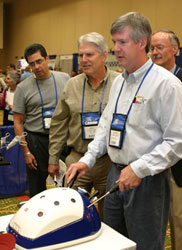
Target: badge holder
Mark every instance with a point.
(10, 115)
(90, 123)
(117, 131)
(47, 114)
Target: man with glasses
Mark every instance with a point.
(164, 46)
(34, 102)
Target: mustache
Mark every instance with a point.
(85, 64)
(157, 57)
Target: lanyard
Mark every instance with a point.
(135, 93)
(42, 104)
(83, 95)
(175, 73)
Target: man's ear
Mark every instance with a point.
(105, 55)
(143, 42)
(175, 49)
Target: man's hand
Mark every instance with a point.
(128, 179)
(10, 106)
(1, 97)
(31, 161)
(53, 169)
(81, 167)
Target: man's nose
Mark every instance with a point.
(84, 58)
(154, 50)
(36, 65)
(117, 47)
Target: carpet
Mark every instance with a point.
(10, 205)
(168, 240)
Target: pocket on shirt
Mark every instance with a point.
(138, 115)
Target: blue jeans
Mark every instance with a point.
(141, 214)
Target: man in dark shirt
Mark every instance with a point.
(164, 46)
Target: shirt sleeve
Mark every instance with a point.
(19, 101)
(58, 130)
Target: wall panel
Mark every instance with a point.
(1, 24)
(57, 24)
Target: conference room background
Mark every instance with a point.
(57, 24)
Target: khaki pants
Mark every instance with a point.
(175, 217)
(95, 178)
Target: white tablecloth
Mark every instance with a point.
(109, 239)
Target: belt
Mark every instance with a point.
(120, 166)
(37, 133)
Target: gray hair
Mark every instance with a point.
(140, 27)
(172, 36)
(97, 39)
(15, 75)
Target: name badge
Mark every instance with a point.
(90, 123)
(117, 131)
(10, 115)
(47, 114)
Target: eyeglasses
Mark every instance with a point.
(8, 78)
(159, 47)
(38, 61)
